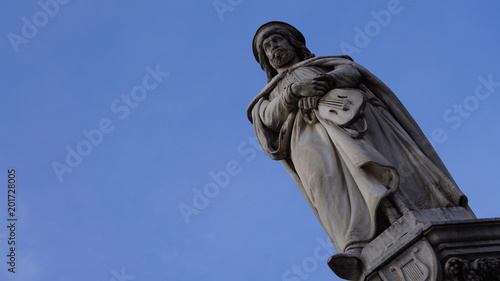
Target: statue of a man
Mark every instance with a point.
(355, 152)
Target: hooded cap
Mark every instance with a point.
(269, 28)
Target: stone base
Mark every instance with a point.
(434, 245)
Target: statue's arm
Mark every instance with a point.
(274, 113)
(345, 76)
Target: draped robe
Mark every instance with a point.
(343, 177)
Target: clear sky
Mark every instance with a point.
(125, 123)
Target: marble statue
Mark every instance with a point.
(355, 152)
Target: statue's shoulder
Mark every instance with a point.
(328, 60)
(322, 61)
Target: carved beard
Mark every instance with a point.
(282, 57)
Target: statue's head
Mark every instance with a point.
(277, 43)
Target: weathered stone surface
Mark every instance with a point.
(415, 263)
(408, 229)
(371, 177)
(434, 245)
(352, 148)
(485, 269)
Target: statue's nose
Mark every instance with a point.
(275, 47)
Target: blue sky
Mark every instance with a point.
(117, 115)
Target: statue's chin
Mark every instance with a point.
(281, 59)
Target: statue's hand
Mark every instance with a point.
(327, 78)
(308, 103)
(317, 86)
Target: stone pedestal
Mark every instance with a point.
(433, 245)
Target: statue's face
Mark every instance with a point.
(278, 50)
